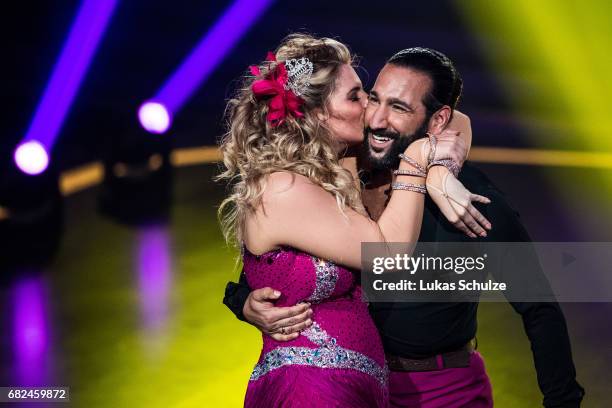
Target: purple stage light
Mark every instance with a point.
(154, 117)
(31, 157)
(83, 39)
(154, 277)
(209, 52)
(30, 331)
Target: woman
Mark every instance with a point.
(297, 215)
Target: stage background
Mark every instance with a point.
(131, 315)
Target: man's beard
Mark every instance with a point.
(390, 161)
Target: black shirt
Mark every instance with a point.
(419, 330)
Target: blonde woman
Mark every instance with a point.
(297, 215)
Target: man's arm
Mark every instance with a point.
(543, 322)
(236, 295)
(257, 308)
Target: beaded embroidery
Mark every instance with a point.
(327, 276)
(326, 356)
(317, 335)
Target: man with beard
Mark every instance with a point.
(430, 346)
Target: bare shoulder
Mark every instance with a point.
(285, 185)
(282, 193)
(290, 194)
(286, 199)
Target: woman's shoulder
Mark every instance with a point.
(288, 195)
(287, 184)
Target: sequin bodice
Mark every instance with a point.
(342, 334)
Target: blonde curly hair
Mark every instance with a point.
(253, 149)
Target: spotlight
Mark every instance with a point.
(154, 117)
(73, 63)
(200, 63)
(31, 157)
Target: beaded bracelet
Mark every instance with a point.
(453, 167)
(413, 163)
(401, 172)
(417, 188)
(432, 147)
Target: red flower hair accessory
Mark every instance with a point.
(282, 100)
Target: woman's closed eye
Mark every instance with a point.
(355, 96)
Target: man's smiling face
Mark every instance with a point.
(395, 115)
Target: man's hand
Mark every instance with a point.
(280, 323)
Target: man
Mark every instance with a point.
(429, 345)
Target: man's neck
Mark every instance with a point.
(376, 190)
(374, 184)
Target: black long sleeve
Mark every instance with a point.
(544, 323)
(236, 295)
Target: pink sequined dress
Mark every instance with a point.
(338, 361)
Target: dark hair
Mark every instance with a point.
(446, 82)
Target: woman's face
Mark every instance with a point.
(346, 108)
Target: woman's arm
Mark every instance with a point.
(453, 199)
(460, 122)
(301, 214)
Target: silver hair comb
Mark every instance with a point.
(299, 72)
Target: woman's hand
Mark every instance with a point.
(455, 202)
(453, 199)
(449, 145)
(449, 148)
